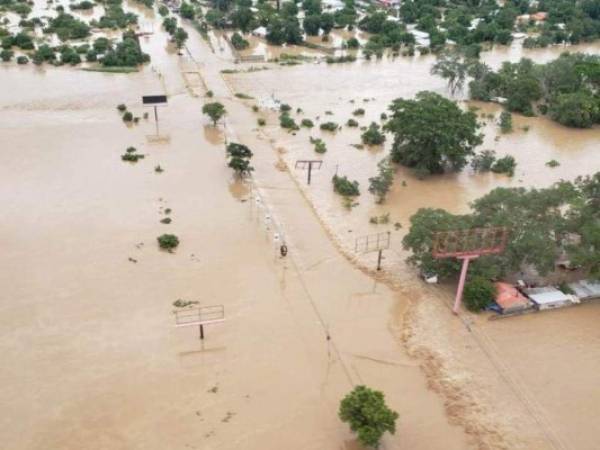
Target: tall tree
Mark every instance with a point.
(431, 133)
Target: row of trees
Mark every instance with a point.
(544, 224)
(568, 88)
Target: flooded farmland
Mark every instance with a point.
(91, 357)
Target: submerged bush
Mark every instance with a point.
(345, 187)
(168, 241)
(329, 126)
(478, 294)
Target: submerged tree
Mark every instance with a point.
(431, 133)
(364, 409)
(239, 158)
(381, 184)
(215, 111)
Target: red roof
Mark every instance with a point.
(508, 297)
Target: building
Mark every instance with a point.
(548, 297)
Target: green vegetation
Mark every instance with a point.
(364, 409)
(506, 122)
(482, 162)
(131, 155)
(307, 123)
(261, 122)
(543, 224)
(566, 88)
(239, 158)
(215, 111)
(127, 53)
(187, 11)
(168, 242)
(380, 184)
(478, 294)
(83, 5)
(372, 136)
(345, 187)
(238, 42)
(127, 117)
(163, 11)
(340, 59)
(67, 27)
(285, 121)
(179, 37)
(320, 146)
(243, 96)
(329, 126)
(6, 55)
(114, 17)
(552, 163)
(432, 134)
(352, 123)
(505, 165)
(358, 112)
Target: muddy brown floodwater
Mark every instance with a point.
(90, 355)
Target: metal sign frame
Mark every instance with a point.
(302, 164)
(154, 101)
(377, 242)
(199, 316)
(466, 245)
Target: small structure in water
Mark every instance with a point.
(549, 297)
(585, 289)
(510, 300)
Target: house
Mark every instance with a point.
(548, 297)
(260, 32)
(539, 16)
(586, 289)
(509, 299)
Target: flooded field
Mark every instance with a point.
(91, 358)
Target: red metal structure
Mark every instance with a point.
(467, 245)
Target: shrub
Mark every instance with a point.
(320, 146)
(132, 157)
(345, 187)
(478, 294)
(367, 414)
(373, 136)
(358, 112)
(381, 184)
(163, 10)
(168, 241)
(284, 107)
(22, 59)
(506, 122)
(483, 161)
(158, 169)
(553, 163)
(166, 220)
(215, 111)
(238, 42)
(505, 165)
(261, 122)
(128, 117)
(307, 123)
(329, 126)
(352, 123)
(122, 107)
(239, 158)
(352, 43)
(6, 55)
(285, 121)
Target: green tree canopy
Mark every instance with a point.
(431, 133)
(215, 111)
(364, 409)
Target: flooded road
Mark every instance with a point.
(90, 355)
